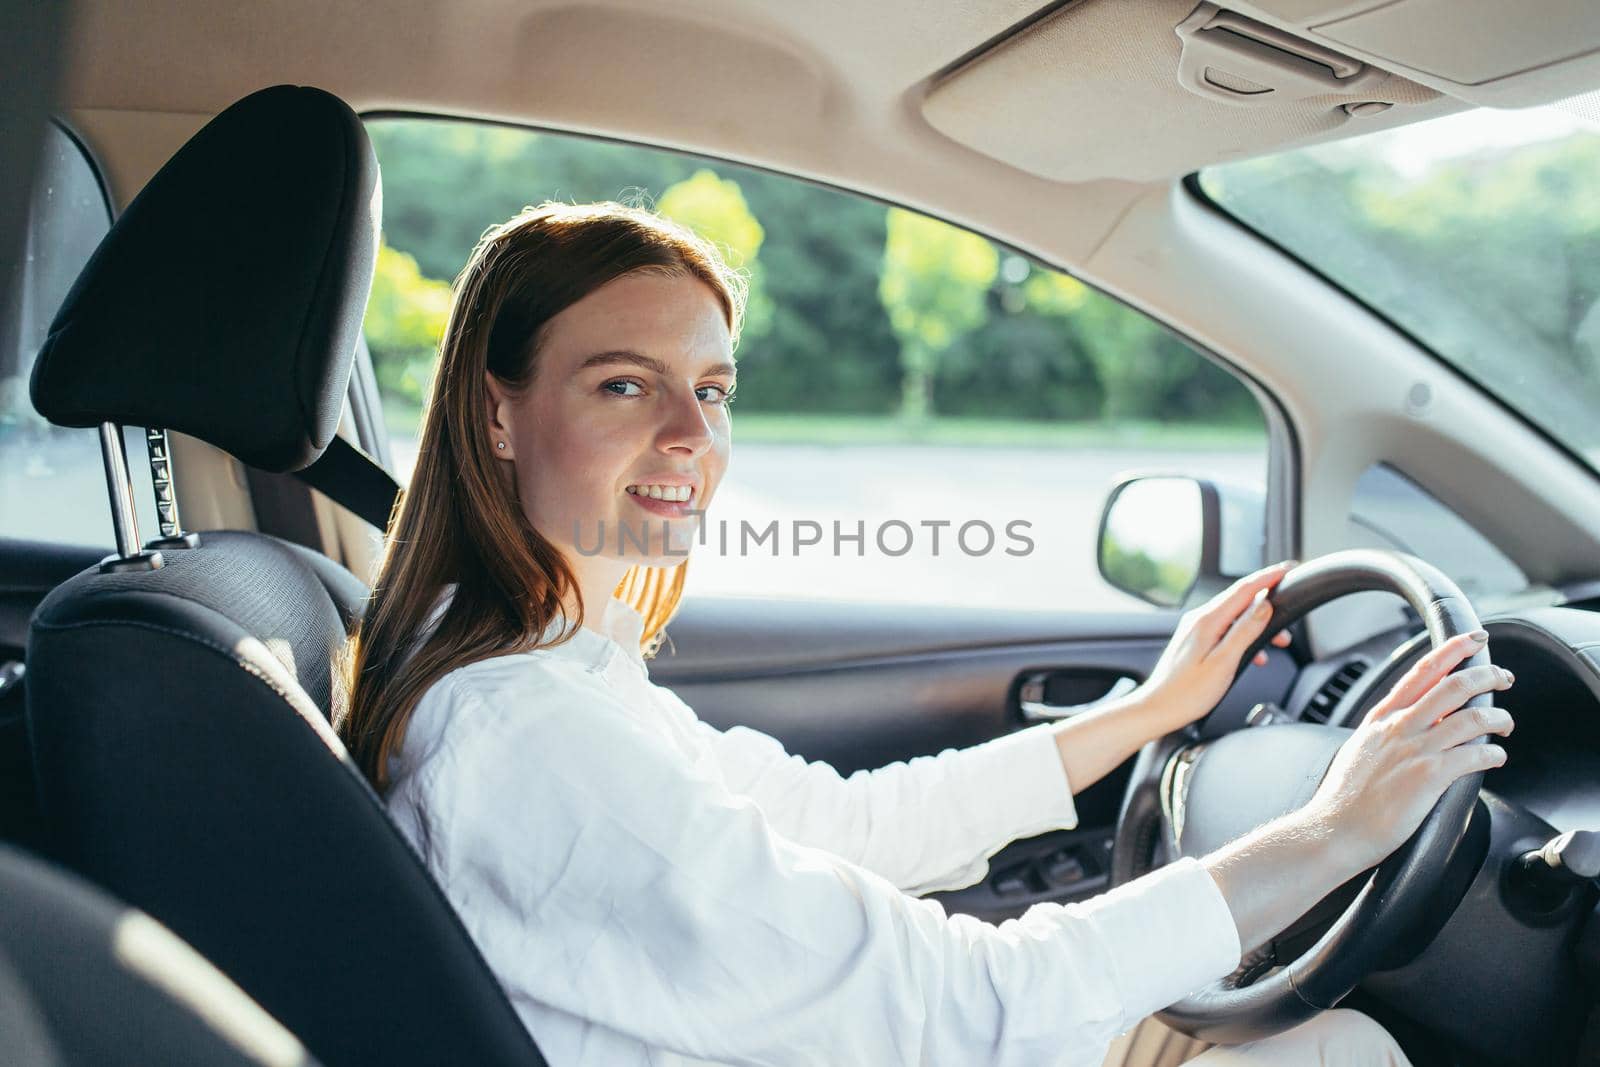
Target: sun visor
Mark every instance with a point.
(1470, 42)
(1148, 91)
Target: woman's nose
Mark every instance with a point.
(684, 425)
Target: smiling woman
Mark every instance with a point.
(650, 889)
(553, 307)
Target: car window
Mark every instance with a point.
(923, 415)
(1391, 511)
(1479, 233)
(52, 481)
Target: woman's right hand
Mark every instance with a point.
(1380, 785)
(1410, 748)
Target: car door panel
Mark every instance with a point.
(861, 686)
(747, 635)
(855, 714)
(28, 571)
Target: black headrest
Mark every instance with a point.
(226, 301)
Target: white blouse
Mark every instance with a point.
(652, 890)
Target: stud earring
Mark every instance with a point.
(501, 445)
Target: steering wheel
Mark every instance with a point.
(1191, 793)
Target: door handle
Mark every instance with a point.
(1034, 709)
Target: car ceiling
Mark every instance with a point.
(1055, 115)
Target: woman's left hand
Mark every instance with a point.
(1200, 661)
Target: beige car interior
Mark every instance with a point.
(1063, 131)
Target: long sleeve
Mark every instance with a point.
(609, 880)
(925, 824)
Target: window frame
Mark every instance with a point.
(97, 172)
(95, 166)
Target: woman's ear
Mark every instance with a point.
(497, 402)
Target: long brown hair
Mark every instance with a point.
(460, 520)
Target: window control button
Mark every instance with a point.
(1065, 867)
(1011, 885)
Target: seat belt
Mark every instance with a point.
(352, 479)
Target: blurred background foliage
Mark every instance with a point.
(856, 309)
(1489, 255)
(406, 316)
(1162, 582)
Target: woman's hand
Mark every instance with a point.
(1410, 748)
(1380, 785)
(1202, 658)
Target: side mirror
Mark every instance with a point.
(1167, 538)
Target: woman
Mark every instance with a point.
(650, 890)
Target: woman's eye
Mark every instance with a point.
(619, 387)
(720, 395)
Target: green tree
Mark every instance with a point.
(1164, 582)
(715, 208)
(446, 181)
(1489, 257)
(826, 275)
(1019, 366)
(406, 317)
(934, 284)
(1144, 371)
(830, 348)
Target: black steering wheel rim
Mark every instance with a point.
(1413, 889)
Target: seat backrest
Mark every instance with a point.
(178, 695)
(85, 982)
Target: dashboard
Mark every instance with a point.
(1553, 755)
(1526, 976)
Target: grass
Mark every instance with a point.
(971, 430)
(762, 427)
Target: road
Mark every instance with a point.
(1058, 493)
(51, 488)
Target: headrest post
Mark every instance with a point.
(161, 480)
(125, 520)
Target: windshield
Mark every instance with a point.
(1479, 233)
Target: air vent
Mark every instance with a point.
(1325, 699)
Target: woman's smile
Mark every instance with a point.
(672, 501)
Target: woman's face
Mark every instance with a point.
(623, 432)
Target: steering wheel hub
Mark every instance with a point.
(1221, 790)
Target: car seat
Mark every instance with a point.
(85, 982)
(179, 692)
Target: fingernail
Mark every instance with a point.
(1479, 636)
(1509, 676)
